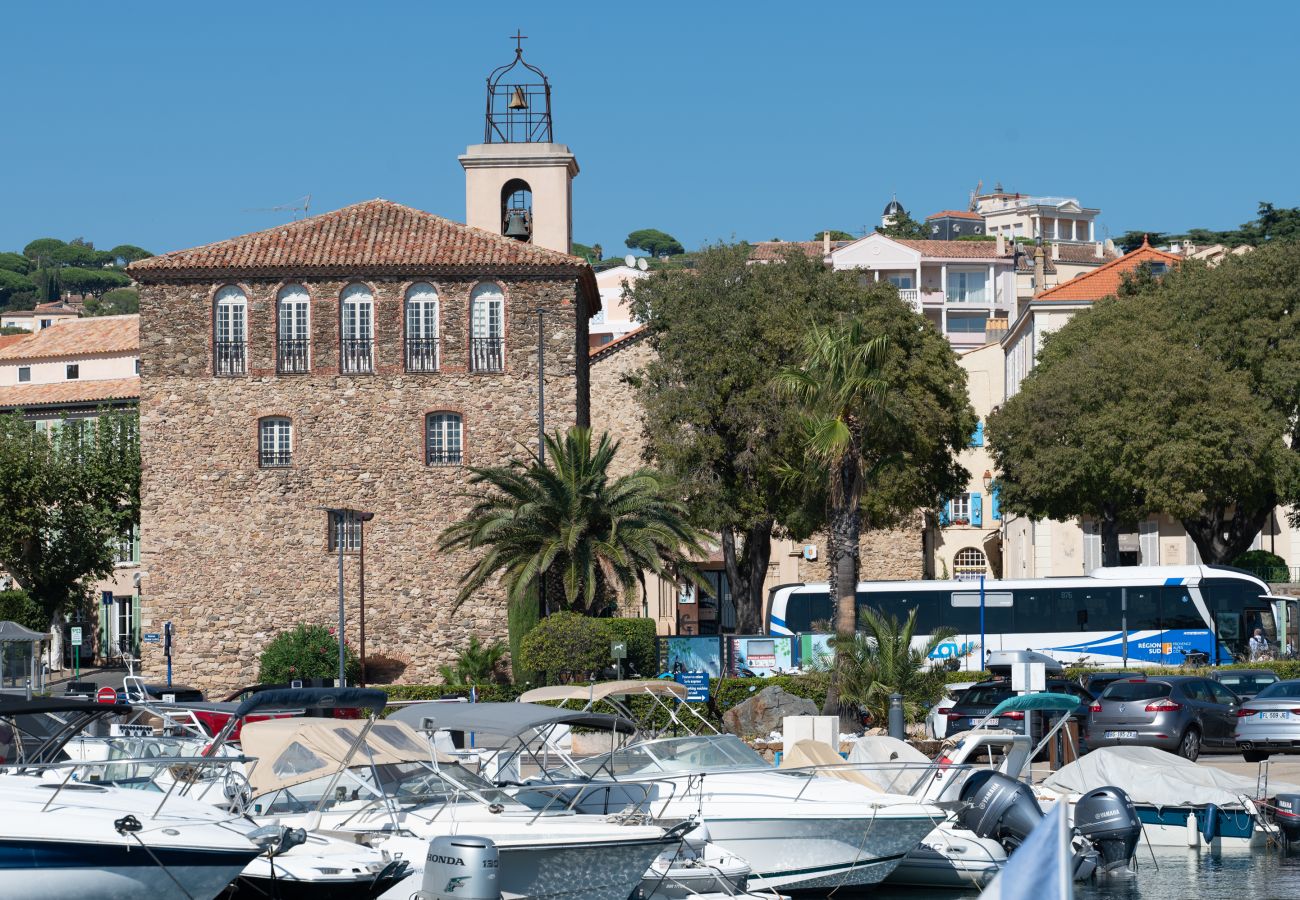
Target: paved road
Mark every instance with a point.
(1280, 767)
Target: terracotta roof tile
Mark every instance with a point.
(956, 214)
(957, 249)
(100, 334)
(371, 236)
(773, 251)
(67, 393)
(1105, 281)
(632, 337)
(8, 339)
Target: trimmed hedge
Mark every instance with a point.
(642, 649)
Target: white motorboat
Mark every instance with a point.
(68, 838)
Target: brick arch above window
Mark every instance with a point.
(487, 327)
(421, 325)
(357, 329)
(230, 330)
(293, 329)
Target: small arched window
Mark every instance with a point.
(487, 329)
(356, 330)
(443, 436)
(230, 331)
(422, 328)
(293, 347)
(275, 442)
(969, 565)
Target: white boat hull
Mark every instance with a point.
(98, 879)
(951, 858)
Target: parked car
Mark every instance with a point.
(1270, 722)
(980, 700)
(936, 722)
(1245, 683)
(1096, 682)
(1179, 713)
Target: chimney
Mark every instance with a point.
(1056, 251)
(826, 242)
(1040, 270)
(1002, 244)
(1098, 249)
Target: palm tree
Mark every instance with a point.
(881, 661)
(476, 664)
(841, 385)
(567, 524)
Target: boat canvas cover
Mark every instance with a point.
(1153, 777)
(591, 693)
(294, 751)
(900, 762)
(809, 753)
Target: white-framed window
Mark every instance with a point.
(960, 509)
(969, 564)
(902, 282)
(443, 439)
(293, 343)
(230, 324)
(967, 285)
(275, 442)
(357, 329)
(25, 374)
(487, 329)
(422, 328)
(343, 528)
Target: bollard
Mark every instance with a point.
(896, 727)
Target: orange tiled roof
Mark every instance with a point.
(774, 251)
(376, 235)
(957, 249)
(7, 339)
(955, 214)
(1105, 281)
(636, 334)
(68, 393)
(82, 337)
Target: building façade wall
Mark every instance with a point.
(236, 553)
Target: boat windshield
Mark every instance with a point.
(697, 753)
(410, 784)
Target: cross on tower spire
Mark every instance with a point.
(519, 37)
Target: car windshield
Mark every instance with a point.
(1135, 690)
(1280, 690)
(1246, 684)
(986, 695)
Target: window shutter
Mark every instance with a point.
(135, 543)
(977, 439)
(1149, 542)
(1091, 547)
(995, 508)
(976, 510)
(945, 514)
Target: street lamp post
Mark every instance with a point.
(541, 437)
(362, 519)
(341, 517)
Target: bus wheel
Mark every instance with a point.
(1189, 747)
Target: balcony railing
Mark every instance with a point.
(231, 357)
(356, 356)
(487, 355)
(292, 356)
(274, 459)
(910, 296)
(421, 354)
(444, 456)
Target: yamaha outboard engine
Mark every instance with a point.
(999, 807)
(1106, 817)
(1286, 815)
(460, 867)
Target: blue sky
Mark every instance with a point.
(161, 124)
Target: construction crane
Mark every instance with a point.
(301, 205)
(975, 193)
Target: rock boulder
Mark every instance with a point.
(762, 713)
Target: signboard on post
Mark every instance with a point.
(106, 598)
(152, 637)
(618, 649)
(74, 635)
(697, 686)
(106, 694)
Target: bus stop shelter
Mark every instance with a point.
(20, 659)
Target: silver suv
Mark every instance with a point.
(1179, 713)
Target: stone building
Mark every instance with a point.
(360, 359)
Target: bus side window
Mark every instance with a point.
(1178, 612)
(1038, 612)
(900, 604)
(1143, 609)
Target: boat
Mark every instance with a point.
(796, 830)
(95, 841)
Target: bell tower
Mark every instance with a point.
(518, 182)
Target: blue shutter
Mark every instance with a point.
(995, 509)
(945, 514)
(977, 439)
(976, 510)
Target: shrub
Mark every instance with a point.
(642, 648)
(307, 651)
(18, 606)
(565, 644)
(1268, 566)
(475, 665)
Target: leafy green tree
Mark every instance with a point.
(568, 522)
(40, 251)
(1268, 566)
(654, 242)
(12, 283)
(836, 235)
(905, 227)
(584, 251)
(65, 500)
(476, 664)
(1131, 240)
(47, 284)
(15, 262)
(881, 661)
(78, 254)
(117, 302)
(125, 254)
(18, 606)
(91, 281)
(303, 652)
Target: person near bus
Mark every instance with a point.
(1258, 644)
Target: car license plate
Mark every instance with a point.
(1119, 735)
(1278, 714)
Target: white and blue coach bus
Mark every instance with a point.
(1145, 615)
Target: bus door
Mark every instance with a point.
(1228, 633)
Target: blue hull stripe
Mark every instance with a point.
(35, 854)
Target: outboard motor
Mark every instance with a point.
(999, 807)
(1286, 815)
(460, 867)
(1106, 817)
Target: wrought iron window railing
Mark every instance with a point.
(421, 354)
(487, 354)
(231, 357)
(292, 356)
(272, 459)
(356, 355)
(448, 456)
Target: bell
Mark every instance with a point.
(517, 99)
(517, 225)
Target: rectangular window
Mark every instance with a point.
(358, 336)
(967, 323)
(345, 529)
(24, 374)
(967, 286)
(443, 437)
(294, 342)
(960, 510)
(902, 282)
(73, 371)
(46, 323)
(275, 443)
(137, 365)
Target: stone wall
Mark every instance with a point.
(614, 405)
(895, 554)
(236, 553)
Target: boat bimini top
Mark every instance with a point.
(669, 696)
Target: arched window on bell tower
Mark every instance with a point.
(517, 210)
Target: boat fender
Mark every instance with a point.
(460, 867)
(1210, 824)
(1193, 834)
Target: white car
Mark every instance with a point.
(936, 722)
